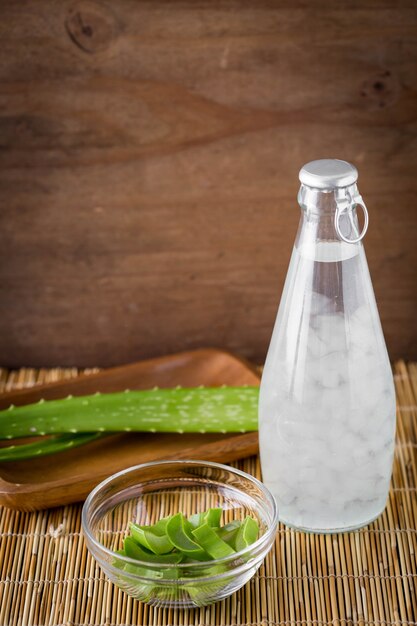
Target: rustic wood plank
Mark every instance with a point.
(149, 154)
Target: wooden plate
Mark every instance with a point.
(69, 476)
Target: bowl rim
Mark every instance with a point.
(263, 539)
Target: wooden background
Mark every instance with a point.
(149, 154)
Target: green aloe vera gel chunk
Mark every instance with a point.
(228, 532)
(139, 535)
(208, 539)
(211, 516)
(179, 531)
(153, 538)
(247, 534)
(160, 528)
(134, 551)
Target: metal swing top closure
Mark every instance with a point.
(339, 176)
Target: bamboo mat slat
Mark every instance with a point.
(368, 577)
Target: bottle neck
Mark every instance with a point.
(322, 209)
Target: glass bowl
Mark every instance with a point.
(145, 493)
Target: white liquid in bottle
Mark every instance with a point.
(327, 402)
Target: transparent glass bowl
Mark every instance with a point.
(145, 493)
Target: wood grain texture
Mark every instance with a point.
(149, 154)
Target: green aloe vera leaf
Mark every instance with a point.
(160, 527)
(134, 551)
(118, 562)
(141, 590)
(196, 520)
(208, 539)
(228, 533)
(200, 593)
(233, 525)
(179, 531)
(131, 568)
(171, 573)
(248, 533)
(156, 542)
(139, 536)
(206, 409)
(211, 516)
(43, 447)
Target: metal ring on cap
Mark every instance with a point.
(339, 210)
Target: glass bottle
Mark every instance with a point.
(327, 400)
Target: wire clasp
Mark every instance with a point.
(345, 200)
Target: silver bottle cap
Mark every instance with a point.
(328, 174)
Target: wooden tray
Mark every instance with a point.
(68, 477)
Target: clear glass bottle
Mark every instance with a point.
(327, 400)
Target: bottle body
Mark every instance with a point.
(327, 401)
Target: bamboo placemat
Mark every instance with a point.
(366, 577)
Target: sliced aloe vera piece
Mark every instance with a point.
(134, 551)
(208, 539)
(160, 527)
(179, 530)
(247, 534)
(228, 532)
(157, 542)
(211, 516)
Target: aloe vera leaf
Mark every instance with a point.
(118, 562)
(207, 409)
(142, 591)
(208, 539)
(159, 528)
(211, 516)
(233, 525)
(201, 592)
(247, 534)
(228, 533)
(134, 551)
(179, 532)
(156, 543)
(52, 445)
(138, 534)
